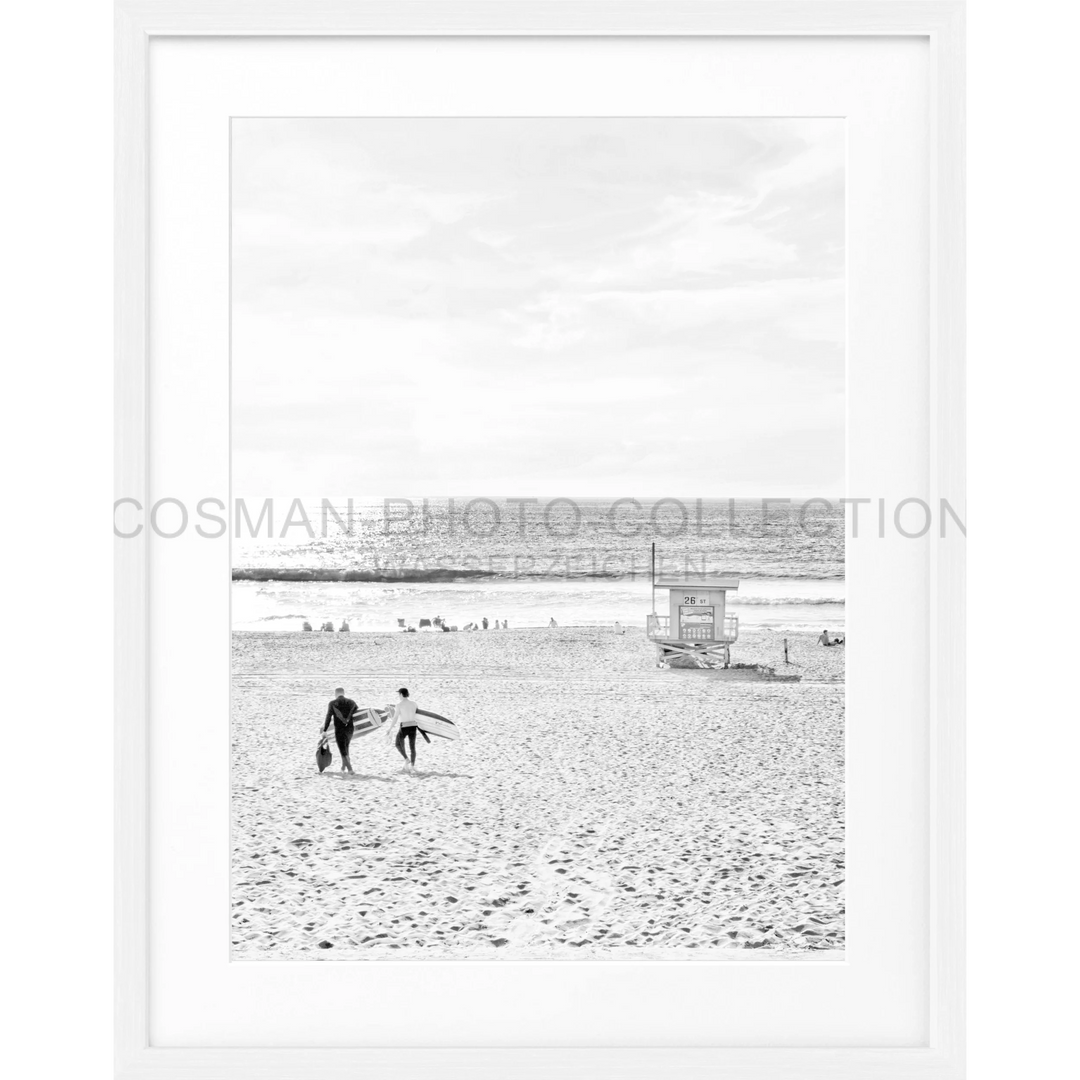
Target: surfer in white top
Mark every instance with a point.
(405, 715)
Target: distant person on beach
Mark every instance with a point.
(307, 625)
(340, 712)
(405, 715)
(824, 639)
(485, 622)
(505, 627)
(552, 623)
(344, 627)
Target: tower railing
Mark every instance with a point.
(659, 627)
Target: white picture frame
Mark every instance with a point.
(941, 23)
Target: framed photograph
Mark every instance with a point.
(539, 539)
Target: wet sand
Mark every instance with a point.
(596, 807)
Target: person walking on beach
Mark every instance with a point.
(341, 711)
(405, 715)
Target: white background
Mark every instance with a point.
(877, 996)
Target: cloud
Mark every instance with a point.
(522, 302)
(772, 313)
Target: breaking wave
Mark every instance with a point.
(781, 601)
(552, 572)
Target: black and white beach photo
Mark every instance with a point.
(538, 579)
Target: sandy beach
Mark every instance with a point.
(595, 806)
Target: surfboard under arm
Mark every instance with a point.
(428, 723)
(434, 724)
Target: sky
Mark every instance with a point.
(524, 307)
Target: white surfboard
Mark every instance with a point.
(433, 724)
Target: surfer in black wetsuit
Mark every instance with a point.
(341, 711)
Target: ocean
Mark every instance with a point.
(582, 562)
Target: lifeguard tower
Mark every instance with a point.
(697, 627)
